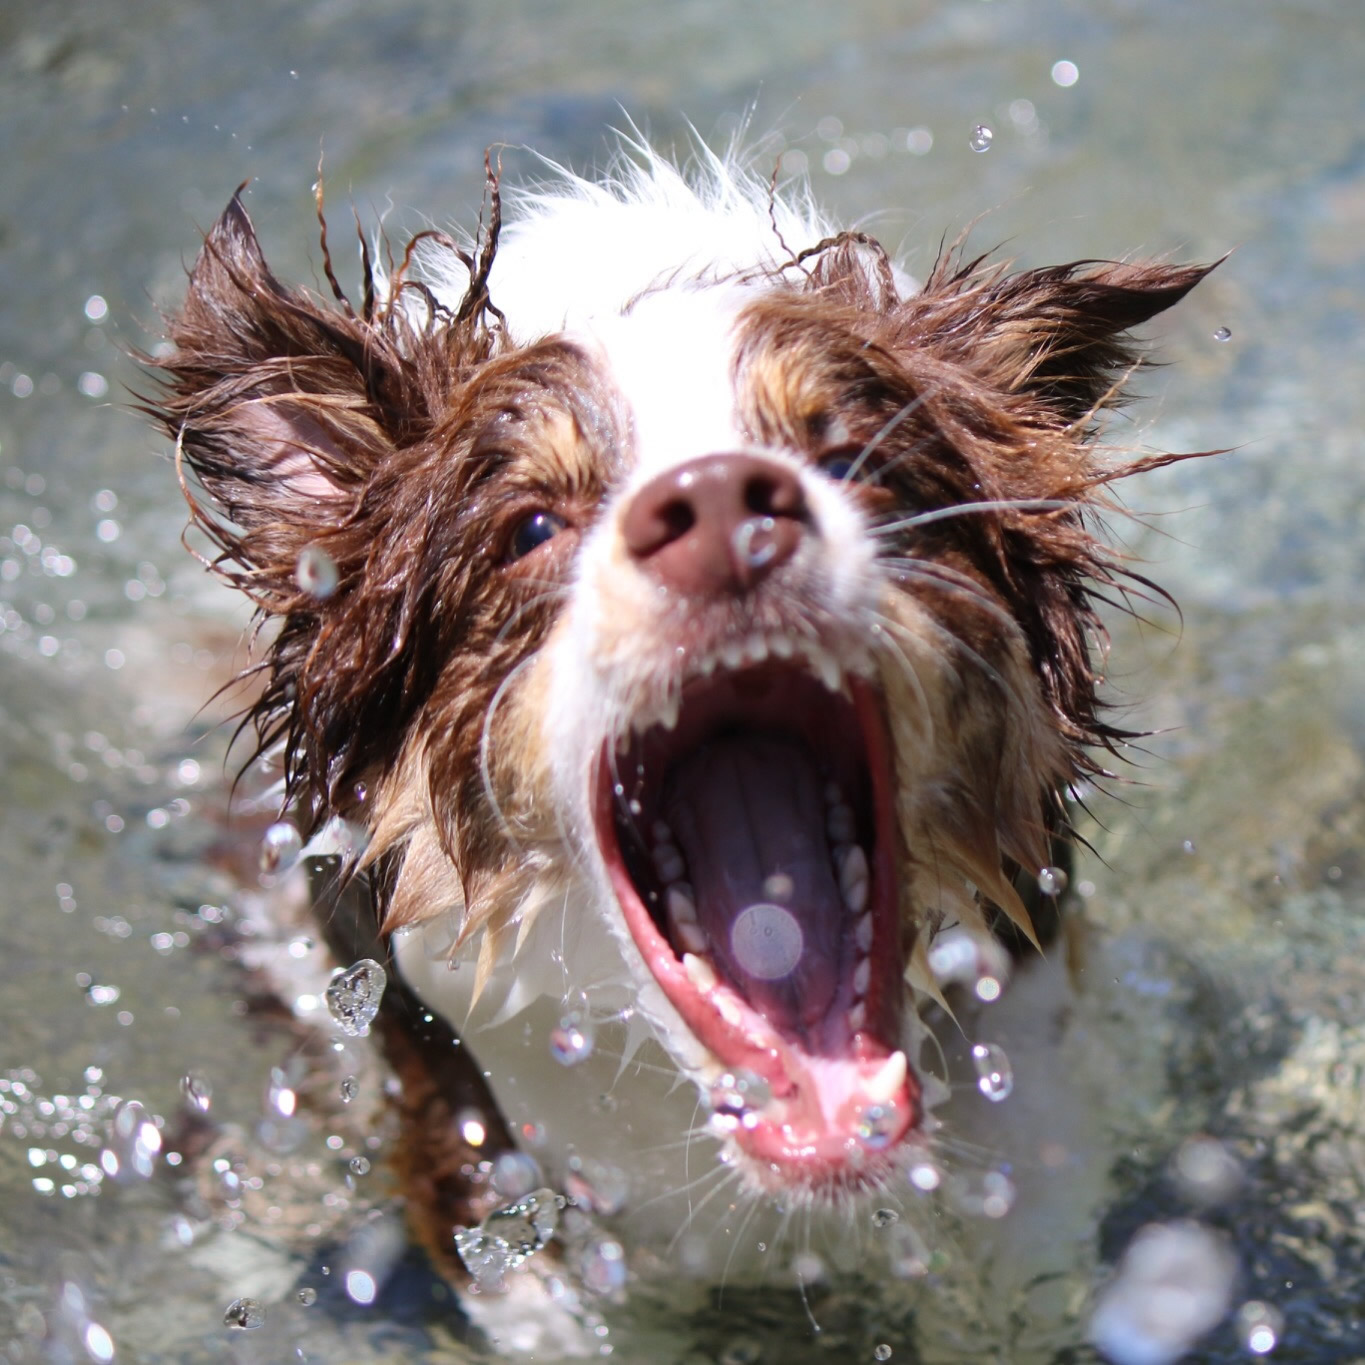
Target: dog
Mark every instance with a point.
(694, 624)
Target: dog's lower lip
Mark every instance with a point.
(839, 1086)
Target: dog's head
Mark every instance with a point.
(735, 606)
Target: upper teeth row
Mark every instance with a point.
(733, 655)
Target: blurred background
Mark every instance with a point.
(1211, 1051)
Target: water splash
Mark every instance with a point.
(353, 996)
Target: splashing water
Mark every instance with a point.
(1052, 881)
(1259, 1326)
(244, 1315)
(509, 1236)
(995, 1076)
(571, 1040)
(280, 848)
(353, 996)
(197, 1090)
(981, 138)
(316, 572)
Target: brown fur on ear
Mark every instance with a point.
(293, 420)
(1059, 333)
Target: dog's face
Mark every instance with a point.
(741, 632)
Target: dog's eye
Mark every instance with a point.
(532, 532)
(843, 463)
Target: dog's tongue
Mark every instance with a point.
(748, 814)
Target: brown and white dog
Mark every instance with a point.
(713, 625)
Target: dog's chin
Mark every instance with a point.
(749, 835)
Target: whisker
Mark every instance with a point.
(485, 747)
(731, 1177)
(969, 508)
(988, 669)
(953, 581)
(686, 1189)
(734, 1247)
(871, 447)
(555, 590)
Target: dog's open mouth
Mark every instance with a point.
(751, 841)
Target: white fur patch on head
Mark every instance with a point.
(671, 356)
(573, 249)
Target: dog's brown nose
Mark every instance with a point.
(717, 524)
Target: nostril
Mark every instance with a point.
(774, 495)
(678, 516)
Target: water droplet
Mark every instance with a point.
(981, 138)
(280, 848)
(879, 1125)
(1206, 1170)
(244, 1315)
(515, 1174)
(1173, 1284)
(925, 1176)
(571, 1040)
(738, 1095)
(883, 1218)
(997, 1194)
(1223, 334)
(1052, 881)
(350, 1088)
(994, 1075)
(134, 1143)
(602, 1264)
(509, 1236)
(767, 941)
(353, 997)
(882, 1352)
(316, 572)
(307, 1296)
(360, 1165)
(197, 1091)
(1259, 1325)
(473, 1126)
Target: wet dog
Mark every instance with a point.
(696, 620)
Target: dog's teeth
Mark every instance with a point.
(680, 903)
(756, 649)
(706, 665)
(691, 935)
(662, 832)
(668, 863)
(885, 1083)
(782, 646)
(862, 933)
(699, 972)
(862, 976)
(840, 824)
(853, 878)
(857, 1016)
(668, 713)
(732, 654)
(824, 665)
(728, 1007)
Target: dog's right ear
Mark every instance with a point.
(281, 407)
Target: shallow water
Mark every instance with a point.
(1214, 981)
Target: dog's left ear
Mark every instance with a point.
(1061, 334)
